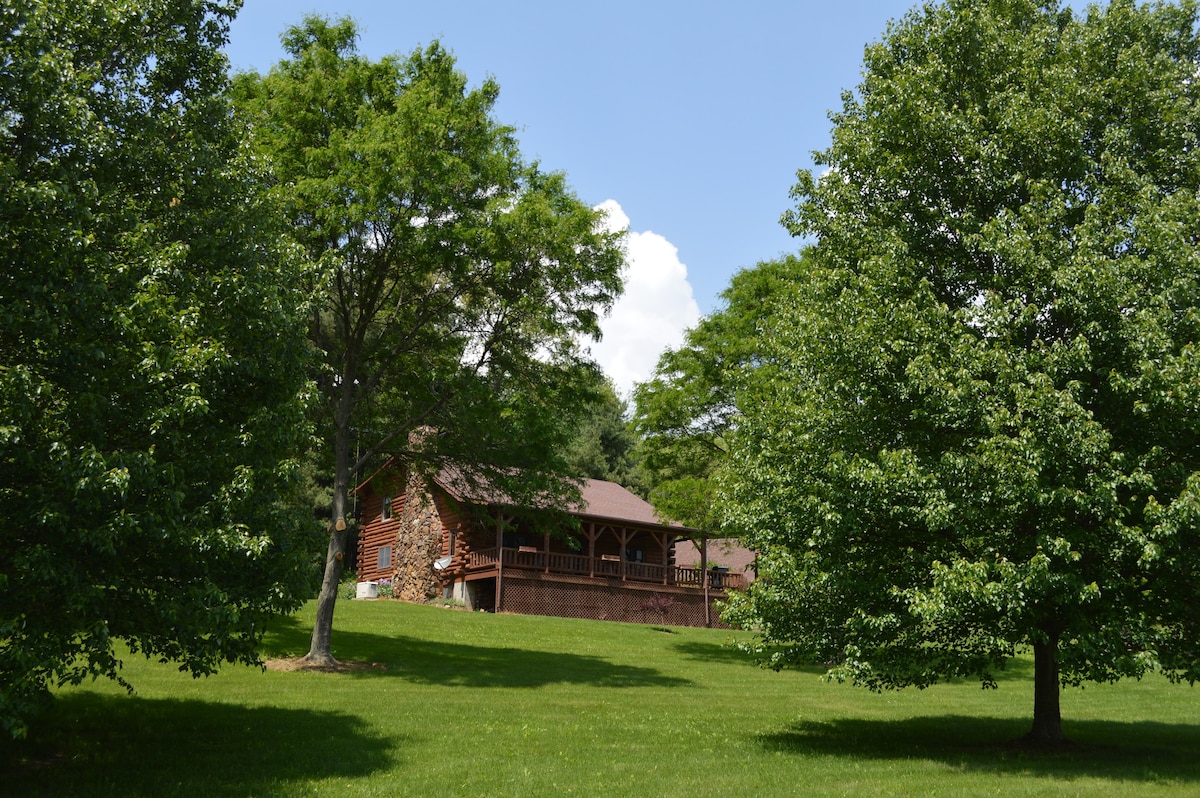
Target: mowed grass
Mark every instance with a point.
(473, 704)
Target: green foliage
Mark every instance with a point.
(685, 413)
(455, 276)
(151, 353)
(602, 446)
(982, 427)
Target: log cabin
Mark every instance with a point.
(435, 538)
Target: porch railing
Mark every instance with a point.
(610, 567)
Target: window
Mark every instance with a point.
(386, 513)
(385, 557)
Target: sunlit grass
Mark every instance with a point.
(482, 705)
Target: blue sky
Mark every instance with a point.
(692, 117)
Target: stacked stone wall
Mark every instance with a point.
(418, 544)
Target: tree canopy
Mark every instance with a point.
(685, 413)
(602, 446)
(456, 277)
(152, 354)
(982, 429)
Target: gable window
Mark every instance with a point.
(385, 557)
(386, 513)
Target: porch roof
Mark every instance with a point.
(610, 501)
(601, 501)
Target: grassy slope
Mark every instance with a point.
(483, 705)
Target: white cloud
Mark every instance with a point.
(654, 311)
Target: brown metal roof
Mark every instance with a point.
(602, 500)
(610, 501)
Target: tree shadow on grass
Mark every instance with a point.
(1016, 669)
(728, 652)
(1139, 751)
(102, 745)
(714, 652)
(462, 665)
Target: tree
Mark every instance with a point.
(982, 430)
(684, 414)
(687, 411)
(602, 446)
(152, 354)
(457, 277)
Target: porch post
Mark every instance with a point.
(623, 537)
(666, 557)
(591, 536)
(546, 551)
(499, 559)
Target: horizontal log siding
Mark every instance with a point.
(456, 543)
(375, 533)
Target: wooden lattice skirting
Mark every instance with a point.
(603, 602)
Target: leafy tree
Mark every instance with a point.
(456, 276)
(982, 432)
(152, 354)
(687, 411)
(602, 446)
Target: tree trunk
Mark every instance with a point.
(1047, 720)
(319, 650)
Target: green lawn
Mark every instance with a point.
(483, 705)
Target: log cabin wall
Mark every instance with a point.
(627, 574)
(402, 547)
(456, 534)
(376, 555)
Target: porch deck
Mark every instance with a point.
(609, 568)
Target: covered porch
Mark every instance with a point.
(613, 553)
(608, 567)
(615, 561)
